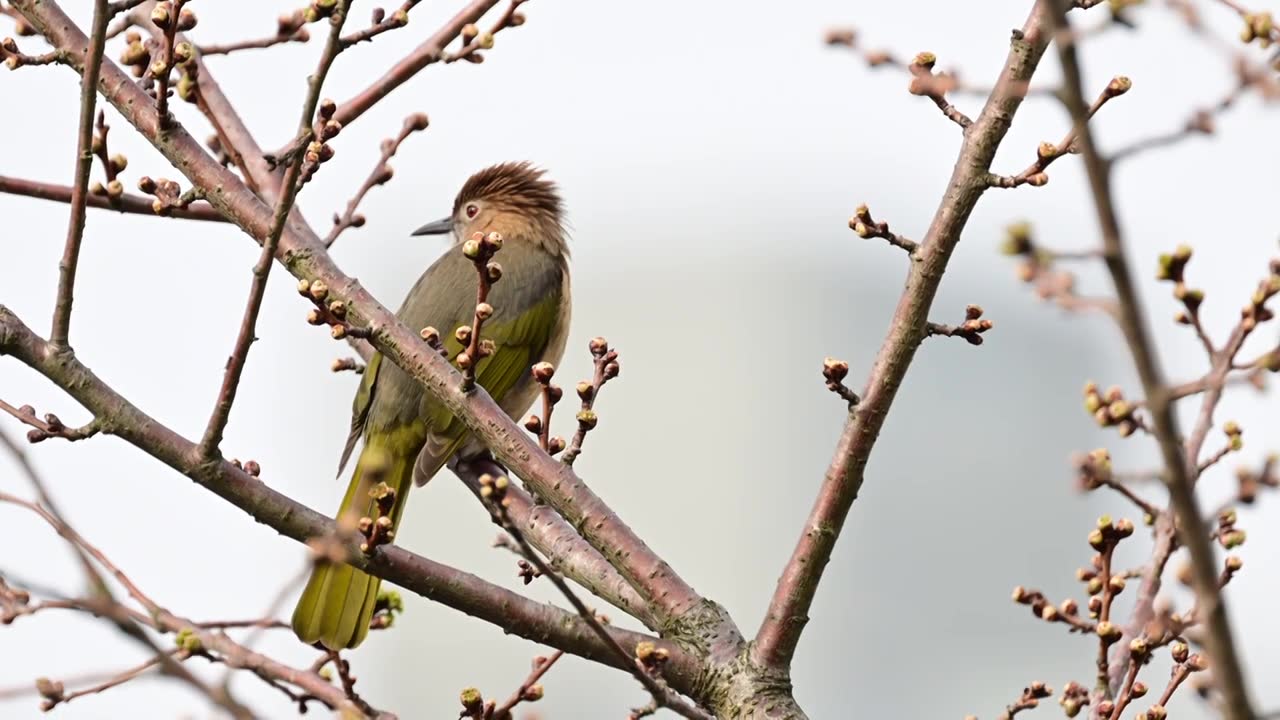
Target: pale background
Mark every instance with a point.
(709, 154)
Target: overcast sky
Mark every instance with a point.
(709, 154)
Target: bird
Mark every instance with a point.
(406, 433)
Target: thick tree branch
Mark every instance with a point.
(567, 552)
(84, 163)
(1178, 461)
(303, 253)
(457, 589)
(780, 631)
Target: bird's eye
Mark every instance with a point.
(472, 210)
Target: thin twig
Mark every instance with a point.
(540, 667)
(59, 336)
(262, 270)
(380, 175)
(397, 19)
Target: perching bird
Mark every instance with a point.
(406, 433)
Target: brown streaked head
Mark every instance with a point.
(514, 199)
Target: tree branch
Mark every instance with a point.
(568, 553)
(788, 610)
(126, 203)
(457, 589)
(262, 269)
(1177, 461)
(303, 253)
(84, 163)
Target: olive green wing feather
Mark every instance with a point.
(360, 407)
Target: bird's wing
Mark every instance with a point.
(360, 407)
(521, 336)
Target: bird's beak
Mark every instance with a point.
(439, 227)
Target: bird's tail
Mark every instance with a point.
(338, 602)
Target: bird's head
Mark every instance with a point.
(513, 199)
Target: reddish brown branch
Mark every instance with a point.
(59, 336)
(493, 490)
(1047, 152)
(529, 689)
(476, 40)
(441, 583)
(262, 269)
(788, 610)
(379, 176)
(1178, 465)
(382, 23)
(429, 52)
(567, 552)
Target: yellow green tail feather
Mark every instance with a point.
(338, 602)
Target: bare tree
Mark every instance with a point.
(697, 662)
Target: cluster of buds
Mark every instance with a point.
(378, 530)
(328, 312)
(168, 194)
(291, 27)
(474, 39)
(472, 35)
(1018, 240)
(479, 249)
(431, 337)
(971, 329)
(527, 572)
(1256, 311)
(13, 602)
(493, 490)
(1106, 536)
(1111, 409)
(607, 368)
(172, 18)
(1249, 481)
(50, 427)
(834, 371)
(14, 58)
(551, 393)
(474, 706)
(1258, 26)
(318, 150)
(251, 467)
(1074, 698)
(385, 609)
(52, 692)
(1094, 470)
(924, 82)
(868, 227)
(112, 165)
(1228, 535)
(1172, 267)
(317, 11)
(136, 54)
(188, 641)
(1067, 613)
(397, 19)
(1036, 263)
(651, 657)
